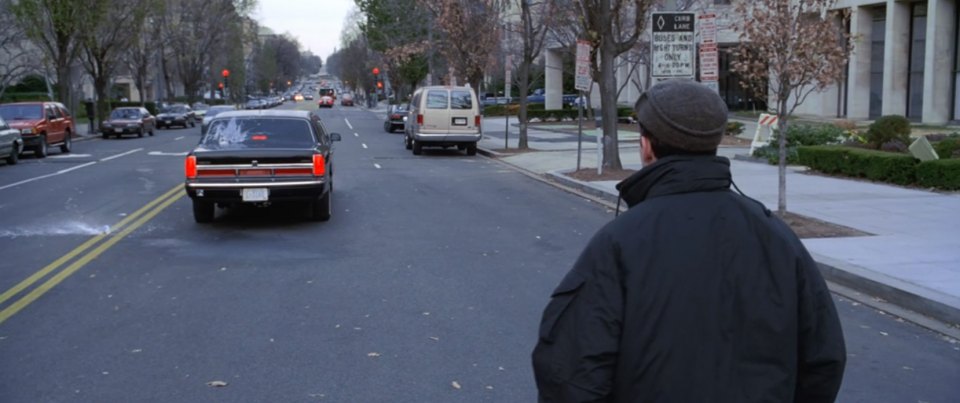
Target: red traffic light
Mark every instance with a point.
(379, 85)
(226, 73)
(220, 85)
(376, 71)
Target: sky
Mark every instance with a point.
(315, 23)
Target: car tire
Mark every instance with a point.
(104, 135)
(140, 132)
(406, 142)
(151, 131)
(67, 142)
(41, 150)
(320, 209)
(14, 156)
(472, 149)
(387, 128)
(203, 211)
(192, 124)
(417, 147)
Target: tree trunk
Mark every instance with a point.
(100, 83)
(782, 168)
(524, 88)
(608, 105)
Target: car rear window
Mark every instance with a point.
(460, 99)
(437, 99)
(258, 132)
(21, 112)
(125, 114)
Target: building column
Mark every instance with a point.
(858, 82)
(896, 64)
(938, 66)
(553, 80)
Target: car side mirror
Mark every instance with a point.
(335, 137)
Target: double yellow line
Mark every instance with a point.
(117, 232)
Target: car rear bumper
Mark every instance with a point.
(231, 192)
(447, 137)
(120, 130)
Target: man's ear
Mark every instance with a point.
(646, 151)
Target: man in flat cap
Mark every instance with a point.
(696, 293)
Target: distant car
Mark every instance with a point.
(199, 110)
(212, 113)
(346, 100)
(41, 125)
(176, 115)
(395, 118)
(259, 158)
(308, 97)
(253, 104)
(128, 120)
(297, 97)
(330, 92)
(325, 102)
(11, 144)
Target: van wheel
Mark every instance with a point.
(472, 149)
(67, 142)
(417, 147)
(41, 150)
(203, 211)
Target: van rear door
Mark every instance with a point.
(463, 111)
(436, 113)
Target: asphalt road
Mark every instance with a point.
(425, 286)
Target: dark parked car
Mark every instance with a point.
(128, 120)
(261, 158)
(176, 115)
(395, 118)
(212, 113)
(10, 143)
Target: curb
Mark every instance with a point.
(930, 304)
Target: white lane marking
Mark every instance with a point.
(356, 135)
(377, 165)
(179, 138)
(364, 145)
(121, 154)
(60, 172)
(64, 156)
(348, 123)
(163, 153)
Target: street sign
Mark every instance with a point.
(707, 24)
(508, 75)
(673, 45)
(582, 81)
(709, 62)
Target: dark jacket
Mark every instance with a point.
(695, 294)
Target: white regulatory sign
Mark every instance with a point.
(673, 48)
(582, 81)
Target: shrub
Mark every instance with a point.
(810, 135)
(947, 148)
(734, 128)
(941, 174)
(771, 153)
(889, 127)
(894, 146)
(870, 164)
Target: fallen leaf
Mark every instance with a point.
(885, 333)
(374, 354)
(136, 350)
(223, 269)
(455, 384)
(501, 369)
(216, 384)
(426, 314)
(489, 387)
(907, 368)
(434, 338)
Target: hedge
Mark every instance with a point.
(10, 97)
(875, 165)
(941, 174)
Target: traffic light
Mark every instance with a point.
(379, 85)
(220, 85)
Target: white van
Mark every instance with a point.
(443, 116)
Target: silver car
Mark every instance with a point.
(212, 112)
(11, 144)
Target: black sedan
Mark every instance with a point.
(261, 158)
(128, 120)
(176, 115)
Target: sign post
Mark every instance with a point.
(709, 59)
(507, 82)
(582, 83)
(673, 46)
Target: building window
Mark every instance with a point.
(877, 33)
(918, 51)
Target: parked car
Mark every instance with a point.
(11, 144)
(176, 115)
(253, 104)
(346, 99)
(325, 102)
(199, 110)
(128, 120)
(396, 115)
(213, 112)
(259, 158)
(41, 125)
(443, 116)
(308, 97)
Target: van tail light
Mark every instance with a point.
(476, 121)
(190, 167)
(319, 165)
(420, 119)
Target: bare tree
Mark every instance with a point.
(612, 27)
(105, 41)
(790, 49)
(54, 26)
(193, 30)
(17, 57)
(145, 44)
(471, 33)
(535, 18)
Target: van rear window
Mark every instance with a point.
(460, 99)
(259, 132)
(437, 99)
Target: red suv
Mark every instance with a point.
(41, 125)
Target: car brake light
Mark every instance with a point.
(476, 121)
(420, 119)
(319, 165)
(191, 167)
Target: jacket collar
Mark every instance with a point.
(674, 175)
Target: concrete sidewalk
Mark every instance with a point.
(912, 258)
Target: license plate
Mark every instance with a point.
(256, 194)
(460, 121)
(168, 121)
(118, 130)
